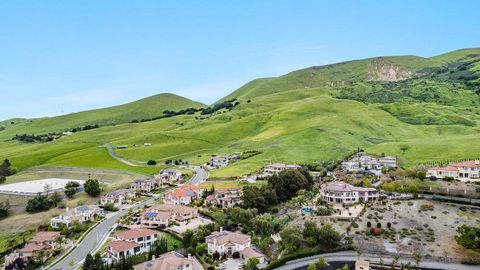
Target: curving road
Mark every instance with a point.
(350, 256)
(96, 237)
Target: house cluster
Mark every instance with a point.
(275, 168)
(463, 171)
(165, 177)
(163, 215)
(184, 195)
(218, 161)
(131, 242)
(342, 193)
(81, 214)
(361, 162)
(225, 197)
(40, 247)
(118, 197)
(227, 243)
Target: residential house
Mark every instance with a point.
(362, 265)
(118, 197)
(168, 177)
(342, 193)
(227, 243)
(361, 162)
(162, 215)
(275, 168)
(225, 197)
(464, 171)
(144, 185)
(184, 194)
(169, 261)
(131, 242)
(218, 161)
(41, 246)
(81, 213)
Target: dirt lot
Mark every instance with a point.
(428, 231)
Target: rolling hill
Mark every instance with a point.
(419, 109)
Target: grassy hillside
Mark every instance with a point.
(144, 108)
(420, 109)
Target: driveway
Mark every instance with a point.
(192, 225)
(200, 175)
(232, 264)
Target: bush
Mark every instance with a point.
(236, 255)
(379, 225)
(369, 224)
(151, 162)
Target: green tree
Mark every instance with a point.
(312, 266)
(92, 187)
(328, 236)
(70, 192)
(345, 267)
(110, 207)
(417, 256)
(468, 237)
(287, 183)
(56, 198)
(89, 262)
(322, 263)
(292, 238)
(38, 203)
(201, 248)
(252, 264)
(265, 224)
(2, 179)
(4, 209)
(260, 198)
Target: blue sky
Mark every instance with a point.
(58, 57)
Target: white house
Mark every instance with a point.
(227, 243)
(81, 213)
(144, 237)
(168, 176)
(361, 162)
(464, 171)
(119, 249)
(342, 193)
(218, 161)
(118, 197)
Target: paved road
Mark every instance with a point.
(349, 256)
(200, 175)
(98, 234)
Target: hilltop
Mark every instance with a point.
(419, 109)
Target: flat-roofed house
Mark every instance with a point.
(342, 193)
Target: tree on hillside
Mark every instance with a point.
(260, 198)
(56, 198)
(70, 192)
(265, 224)
(287, 183)
(6, 168)
(291, 238)
(4, 209)
(92, 187)
(38, 203)
(328, 236)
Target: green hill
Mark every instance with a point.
(420, 109)
(141, 109)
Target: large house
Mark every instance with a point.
(227, 243)
(275, 168)
(184, 195)
(132, 242)
(464, 171)
(144, 185)
(42, 244)
(225, 197)
(168, 177)
(162, 215)
(81, 214)
(118, 197)
(218, 161)
(361, 162)
(169, 261)
(343, 193)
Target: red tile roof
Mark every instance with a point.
(119, 246)
(41, 237)
(135, 233)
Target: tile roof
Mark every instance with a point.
(225, 237)
(250, 252)
(32, 247)
(118, 246)
(135, 233)
(168, 261)
(45, 237)
(344, 187)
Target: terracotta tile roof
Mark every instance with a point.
(168, 261)
(226, 237)
(135, 233)
(119, 246)
(32, 247)
(251, 253)
(45, 237)
(469, 163)
(174, 208)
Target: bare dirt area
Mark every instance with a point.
(417, 226)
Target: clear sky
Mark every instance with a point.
(64, 56)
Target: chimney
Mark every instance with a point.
(189, 256)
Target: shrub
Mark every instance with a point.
(151, 162)
(379, 225)
(236, 255)
(369, 224)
